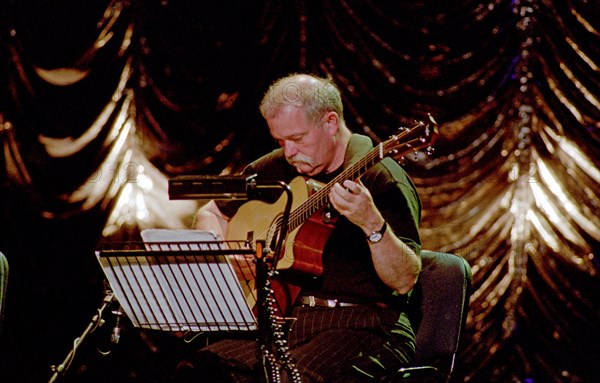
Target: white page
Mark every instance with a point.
(189, 291)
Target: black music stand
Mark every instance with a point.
(174, 285)
(180, 286)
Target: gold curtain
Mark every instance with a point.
(100, 105)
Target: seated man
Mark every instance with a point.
(350, 325)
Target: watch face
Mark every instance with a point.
(375, 237)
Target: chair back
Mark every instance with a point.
(438, 308)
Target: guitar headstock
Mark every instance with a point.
(420, 136)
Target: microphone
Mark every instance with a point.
(211, 187)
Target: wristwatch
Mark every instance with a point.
(376, 236)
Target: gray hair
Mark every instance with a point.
(317, 95)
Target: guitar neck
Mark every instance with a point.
(321, 197)
(411, 140)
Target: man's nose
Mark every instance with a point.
(289, 148)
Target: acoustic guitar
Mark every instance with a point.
(309, 224)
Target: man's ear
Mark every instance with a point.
(332, 122)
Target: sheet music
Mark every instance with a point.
(186, 290)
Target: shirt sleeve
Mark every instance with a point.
(397, 199)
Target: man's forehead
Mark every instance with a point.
(290, 126)
(288, 131)
(287, 114)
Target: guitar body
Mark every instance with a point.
(308, 245)
(257, 220)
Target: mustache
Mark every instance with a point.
(300, 159)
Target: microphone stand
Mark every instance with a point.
(96, 322)
(272, 348)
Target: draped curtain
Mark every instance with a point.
(102, 102)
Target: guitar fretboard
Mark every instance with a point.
(407, 141)
(321, 197)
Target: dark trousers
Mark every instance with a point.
(328, 345)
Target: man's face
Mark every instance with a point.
(309, 147)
